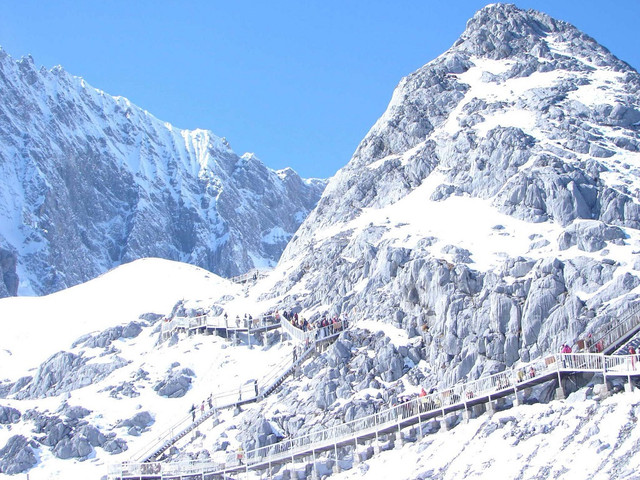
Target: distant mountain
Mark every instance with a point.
(89, 181)
(493, 208)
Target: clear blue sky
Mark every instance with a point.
(298, 82)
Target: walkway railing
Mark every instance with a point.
(309, 336)
(243, 394)
(456, 397)
(615, 330)
(206, 321)
(251, 275)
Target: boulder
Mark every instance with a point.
(17, 456)
(589, 235)
(176, 384)
(9, 415)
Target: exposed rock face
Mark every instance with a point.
(17, 455)
(73, 436)
(64, 372)
(138, 423)
(471, 212)
(90, 181)
(8, 277)
(176, 384)
(9, 415)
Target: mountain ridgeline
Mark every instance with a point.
(493, 208)
(89, 181)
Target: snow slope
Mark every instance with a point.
(120, 296)
(117, 298)
(490, 215)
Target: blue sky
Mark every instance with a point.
(297, 82)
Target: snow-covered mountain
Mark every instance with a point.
(89, 181)
(493, 209)
(489, 216)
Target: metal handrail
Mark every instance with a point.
(245, 393)
(455, 397)
(312, 334)
(206, 320)
(615, 330)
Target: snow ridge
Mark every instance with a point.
(90, 181)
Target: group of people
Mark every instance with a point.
(193, 410)
(248, 321)
(334, 323)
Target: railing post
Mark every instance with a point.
(336, 467)
(559, 391)
(398, 444)
(490, 407)
(314, 469)
(293, 466)
(356, 457)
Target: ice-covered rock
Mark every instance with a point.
(511, 127)
(66, 371)
(9, 415)
(139, 422)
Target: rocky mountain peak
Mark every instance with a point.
(501, 31)
(89, 181)
(472, 211)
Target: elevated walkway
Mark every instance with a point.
(243, 395)
(458, 397)
(219, 325)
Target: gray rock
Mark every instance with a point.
(17, 456)
(92, 435)
(115, 446)
(589, 235)
(140, 421)
(65, 372)
(9, 279)
(75, 447)
(9, 415)
(76, 412)
(176, 384)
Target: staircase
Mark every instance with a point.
(617, 332)
(235, 398)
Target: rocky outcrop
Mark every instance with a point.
(137, 424)
(9, 280)
(134, 186)
(17, 456)
(9, 415)
(107, 337)
(72, 436)
(66, 371)
(175, 384)
(502, 132)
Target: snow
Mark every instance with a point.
(559, 440)
(115, 298)
(276, 235)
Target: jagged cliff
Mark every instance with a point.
(89, 181)
(493, 208)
